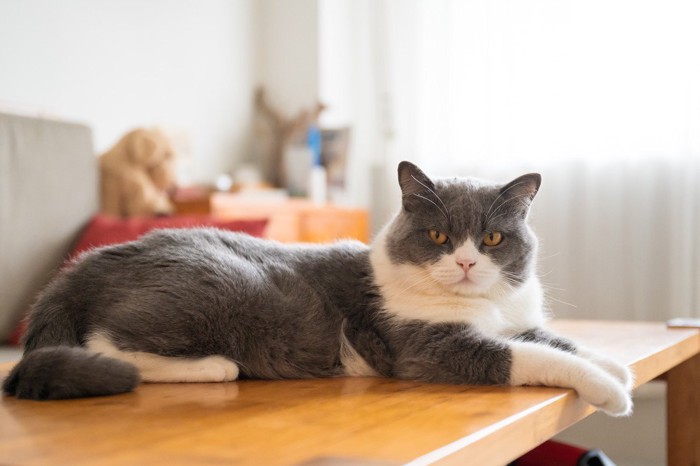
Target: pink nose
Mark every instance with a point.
(466, 264)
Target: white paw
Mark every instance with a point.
(535, 364)
(618, 370)
(621, 372)
(218, 369)
(606, 394)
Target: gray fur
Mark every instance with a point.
(61, 372)
(538, 335)
(450, 353)
(276, 310)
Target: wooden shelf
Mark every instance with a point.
(296, 220)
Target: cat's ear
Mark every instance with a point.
(414, 184)
(522, 190)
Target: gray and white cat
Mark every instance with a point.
(447, 293)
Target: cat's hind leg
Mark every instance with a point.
(157, 368)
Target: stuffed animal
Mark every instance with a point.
(136, 175)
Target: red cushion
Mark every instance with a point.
(104, 230)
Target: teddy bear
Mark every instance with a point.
(137, 174)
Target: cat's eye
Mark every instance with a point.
(438, 237)
(493, 239)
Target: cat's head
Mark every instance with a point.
(465, 236)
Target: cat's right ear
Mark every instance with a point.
(523, 190)
(415, 184)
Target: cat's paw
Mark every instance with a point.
(619, 371)
(217, 369)
(606, 394)
(535, 364)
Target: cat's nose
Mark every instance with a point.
(466, 264)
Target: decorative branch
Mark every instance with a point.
(285, 131)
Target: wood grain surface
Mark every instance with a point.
(338, 421)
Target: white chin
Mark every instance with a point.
(468, 288)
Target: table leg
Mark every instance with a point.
(683, 413)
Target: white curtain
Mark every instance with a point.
(601, 97)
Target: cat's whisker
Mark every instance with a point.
(504, 283)
(432, 202)
(491, 218)
(511, 275)
(548, 286)
(404, 291)
(546, 283)
(501, 194)
(434, 194)
(510, 283)
(412, 285)
(505, 290)
(550, 256)
(544, 274)
(425, 277)
(410, 278)
(488, 214)
(509, 278)
(517, 280)
(550, 298)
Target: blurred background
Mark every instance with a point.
(601, 97)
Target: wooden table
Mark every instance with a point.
(347, 420)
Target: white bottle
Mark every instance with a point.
(318, 185)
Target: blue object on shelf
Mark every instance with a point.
(313, 140)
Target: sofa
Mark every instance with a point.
(48, 192)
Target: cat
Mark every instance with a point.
(447, 293)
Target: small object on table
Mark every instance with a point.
(683, 322)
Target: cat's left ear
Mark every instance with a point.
(524, 189)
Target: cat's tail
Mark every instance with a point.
(55, 365)
(59, 372)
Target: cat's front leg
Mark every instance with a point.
(539, 335)
(538, 364)
(458, 353)
(618, 370)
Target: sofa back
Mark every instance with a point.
(48, 192)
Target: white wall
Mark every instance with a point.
(119, 64)
(311, 50)
(192, 66)
(287, 53)
(349, 85)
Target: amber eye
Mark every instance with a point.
(438, 237)
(493, 239)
